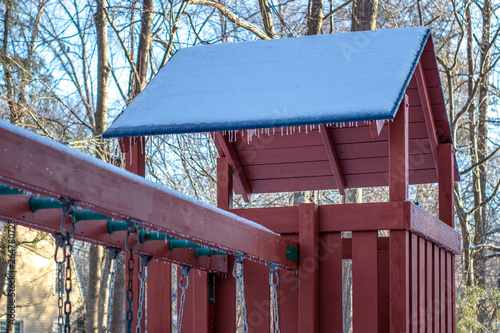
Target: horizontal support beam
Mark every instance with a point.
(49, 220)
(38, 165)
(360, 217)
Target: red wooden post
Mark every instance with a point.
(257, 296)
(450, 290)
(330, 283)
(364, 281)
(383, 288)
(159, 313)
(399, 261)
(199, 301)
(446, 184)
(436, 290)
(398, 154)
(135, 162)
(224, 307)
(421, 285)
(308, 268)
(442, 274)
(414, 283)
(428, 285)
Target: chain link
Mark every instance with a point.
(112, 266)
(273, 275)
(144, 268)
(131, 229)
(238, 260)
(60, 244)
(185, 275)
(68, 285)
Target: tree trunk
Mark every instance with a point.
(364, 15)
(118, 324)
(144, 46)
(11, 278)
(94, 279)
(315, 17)
(267, 19)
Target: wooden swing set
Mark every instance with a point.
(290, 258)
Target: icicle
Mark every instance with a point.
(299, 129)
(287, 130)
(306, 129)
(273, 130)
(319, 129)
(282, 131)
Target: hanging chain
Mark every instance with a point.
(273, 275)
(131, 229)
(112, 266)
(60, 245)
(68, 285)
(185, 275)
(143, 279)
(238, 260)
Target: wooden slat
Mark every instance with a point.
(288, 299)
(424, 95)
(232, 158)
(442, 285)
(414, 284)
(449, 292)
(428, 286)
(398, 154)
(383, 287)
(36, 165)
(332, 157)
(224, 184)
(257, 296)
(224, 316)
(399, 266)
(308, 269)
(446, 184)
(422, 292)
(364, 281)
(159, 300)
(436, 290)
(434, 95)
(199, 283)
(330, 283)
(135, 158)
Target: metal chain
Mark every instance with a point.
(60, 244)
(68, 285)
(112, 266)
(238, 260)
(185, 275)
(273, 275)
(131, 229)
(143, 279)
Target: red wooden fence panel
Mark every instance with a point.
(364, 281)
(257, 296)
(421, 285)
(383, 286)
(414, 283)
(436, 290)
(159, 308)
(428, 286)
(224, 314)
(442, 286)
(288, 298)
(399, 274)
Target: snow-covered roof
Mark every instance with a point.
(309, 80)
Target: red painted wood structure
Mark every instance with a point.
(403, 282)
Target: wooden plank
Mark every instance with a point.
(224, 316)
(135, 158)
(199, 283)
(450, 278)
(308, 268)
(436, 290)
(421, 285)
(446, 184)
(414, 284)
(428, 286)
(425, 101)
(453, 294)
(330, 283)
(238, 173)
(398, 154)
(333, 159)
(328, 182)
(384, 323)
(364, 281)
(224, 184)
(399, 268)
(159, 300)
(257, 296)
(39, 166)
(288, 298)
(442, 285)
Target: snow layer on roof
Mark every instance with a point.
(101, 164)
(271, 83)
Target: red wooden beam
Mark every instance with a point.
(234, 162)
(398, 154)
(34, 164)
(332, 157)
(399, 266)
(427, 110)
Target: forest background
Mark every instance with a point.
(69, 67)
